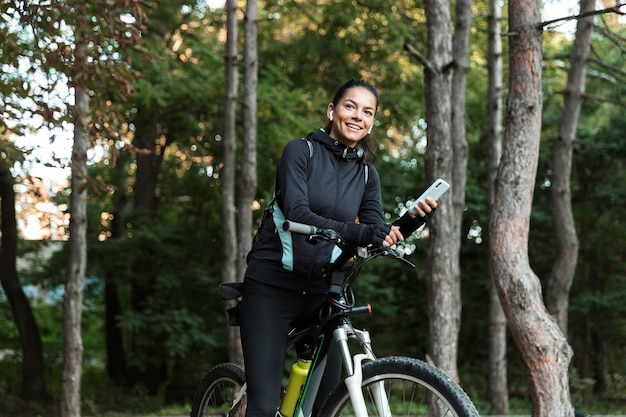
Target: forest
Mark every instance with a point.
(172, 109)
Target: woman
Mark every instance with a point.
(323, 180)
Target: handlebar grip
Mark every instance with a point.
(300, 228)
(364, 309)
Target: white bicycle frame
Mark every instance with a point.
(353, 368)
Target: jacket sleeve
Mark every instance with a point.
(291, 180)
(371, 210)
(291, 183)
(409, 225)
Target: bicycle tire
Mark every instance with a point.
(216, 395)
(414, 388)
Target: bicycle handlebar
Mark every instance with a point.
(315, 233)
(300, 228)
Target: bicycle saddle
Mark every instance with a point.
(230, 290)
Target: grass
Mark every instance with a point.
(102, 398)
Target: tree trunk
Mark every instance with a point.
(114, 344)
(542, 345)
(564, 268)
(460, 56)
(150, 142)
(442, 280)
(77, 263)
(33, 383)
(247, 184)
(228, 172)
(498, 380)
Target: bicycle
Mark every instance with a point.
(371, 386)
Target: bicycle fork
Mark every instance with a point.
(354, 370)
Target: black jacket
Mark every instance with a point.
(323, 183)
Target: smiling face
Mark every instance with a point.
(352, 116)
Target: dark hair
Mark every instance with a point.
(367, 144)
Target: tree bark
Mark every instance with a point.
(77, 263)
(460, 55)
(247, 184)
(228, 172)
(442, 272)
(498, 380)
(150, 142)
(542, 345)
(33, 382)
(564, 268)
(114, 341)
(458, 136)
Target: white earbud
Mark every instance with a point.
(370, 130)
(330, 116)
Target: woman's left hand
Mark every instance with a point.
(424, 208)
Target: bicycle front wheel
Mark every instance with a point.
(221, 393)
(398, 386)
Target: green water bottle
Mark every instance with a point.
(298, 374)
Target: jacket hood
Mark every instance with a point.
(335, 147)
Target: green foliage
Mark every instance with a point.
(318, 46)
(305, 51)
(182, 280)
(166, 320)
(398, 321)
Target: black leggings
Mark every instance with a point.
(267, 314)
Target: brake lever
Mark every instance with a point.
(330, 234)
(325, 234)
(409, 263)
(399, 256)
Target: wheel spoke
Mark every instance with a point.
(218, 391)
(412, 388)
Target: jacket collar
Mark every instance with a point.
(335, 147)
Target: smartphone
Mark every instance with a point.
(435, 191)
